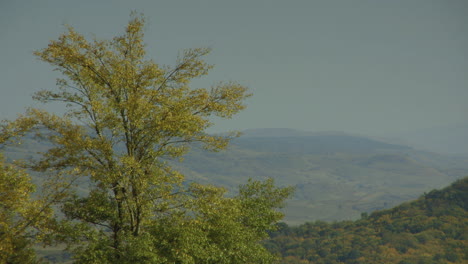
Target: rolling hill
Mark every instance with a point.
(337, 176)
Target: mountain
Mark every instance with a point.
(432, 229)
(337, 176)
(324, 143)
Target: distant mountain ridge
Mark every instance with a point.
(289, 132)
(280, 140)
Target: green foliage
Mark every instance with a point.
(431, 229)
(23, 220)
(222, 230)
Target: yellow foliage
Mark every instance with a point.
(125, 116)
(20, 215)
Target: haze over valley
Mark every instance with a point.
(337, 176)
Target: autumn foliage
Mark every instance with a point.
(125, 117)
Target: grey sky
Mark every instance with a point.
(371, 67)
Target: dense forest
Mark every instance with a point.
(432, 229)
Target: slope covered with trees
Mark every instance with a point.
(431, 229)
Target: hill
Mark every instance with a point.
(337, 176)
(430, 230)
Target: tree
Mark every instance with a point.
(126, 115)
(22, 218)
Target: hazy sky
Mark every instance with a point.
(371, 67)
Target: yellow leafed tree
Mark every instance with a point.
(125, 116)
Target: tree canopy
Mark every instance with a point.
(125, 117)
(430, 230)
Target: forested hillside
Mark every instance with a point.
(432, 229)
